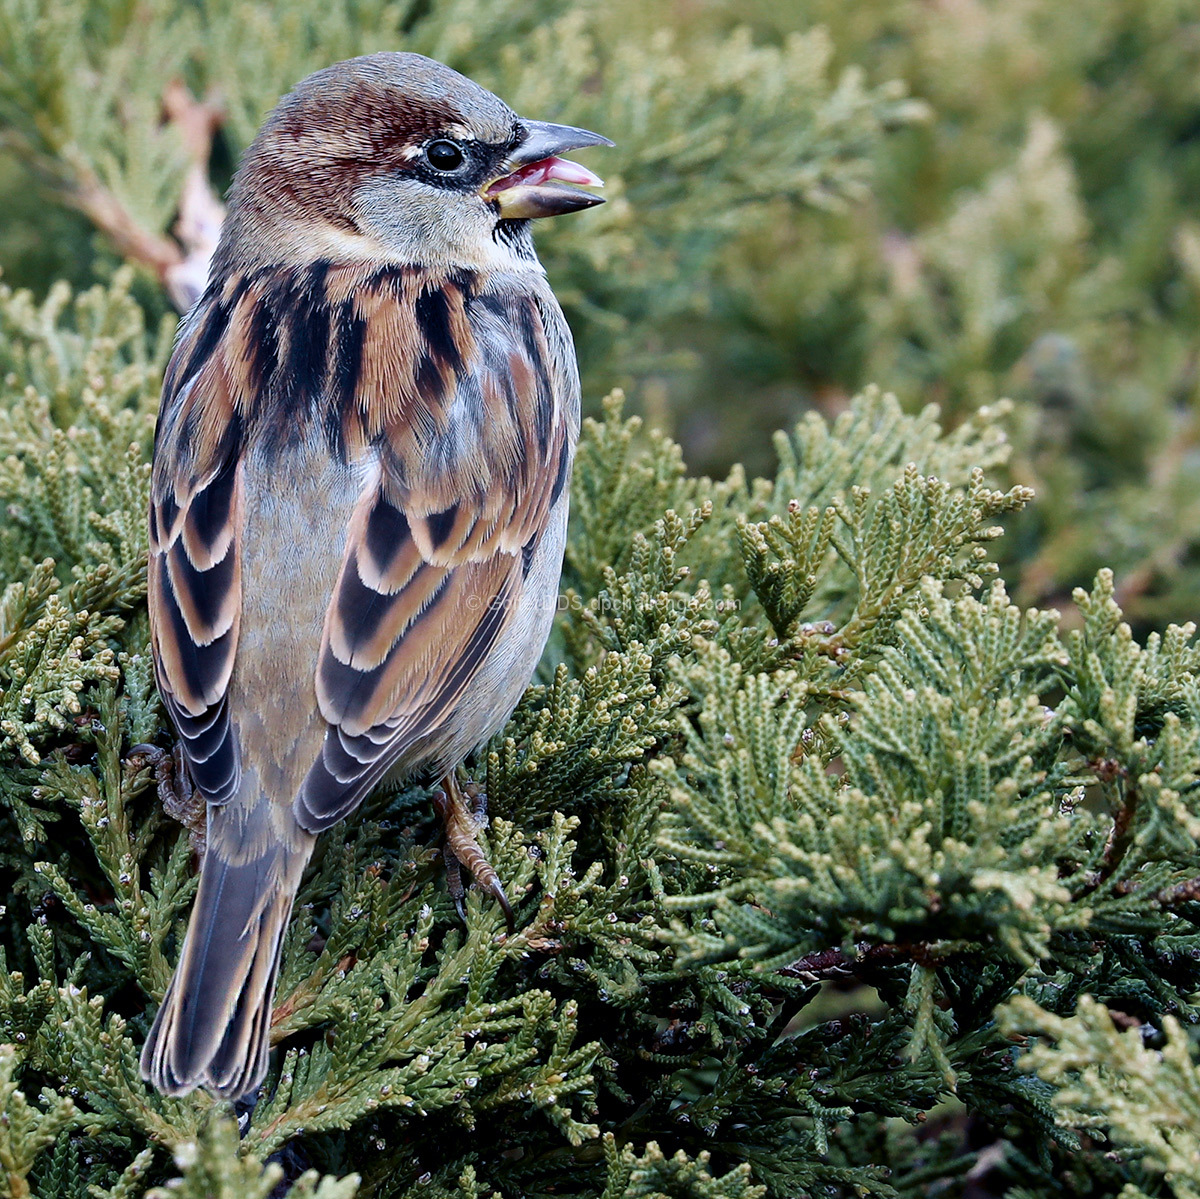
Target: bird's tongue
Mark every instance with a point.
(545, 170)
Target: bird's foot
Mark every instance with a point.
(175, 791)
(463, 815)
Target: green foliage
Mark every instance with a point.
(25, 1129)
(1145, 1101)
(672, 1177)
(1036, 238)
(948, 723)
(212, 1169)
(796, 732)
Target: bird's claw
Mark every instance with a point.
(462, 821)
(176, 793)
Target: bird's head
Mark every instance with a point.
(395, 157)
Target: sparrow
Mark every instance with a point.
(358, 500)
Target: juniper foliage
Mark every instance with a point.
(799, 803)
(1142, 1099)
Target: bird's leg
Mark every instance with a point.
(176, 793)
(462, 819)
(179, 798)
(478, 797)
(454, 878)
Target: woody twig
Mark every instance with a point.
(181, 263)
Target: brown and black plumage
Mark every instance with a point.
(359, 499)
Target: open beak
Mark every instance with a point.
(537, 182)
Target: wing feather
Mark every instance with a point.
(436, 556)
(453, 406)
(195, 569)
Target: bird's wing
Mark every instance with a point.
(468, 470)
(453, 405)
(194, 571)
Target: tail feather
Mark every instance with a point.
(240, 1062)
(213, 1028)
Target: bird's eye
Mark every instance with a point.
(445, 155)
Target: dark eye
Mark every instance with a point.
(445, 155)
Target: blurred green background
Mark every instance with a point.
(959, 200)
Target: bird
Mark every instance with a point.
(358, 501)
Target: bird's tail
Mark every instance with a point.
(213, 1028)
